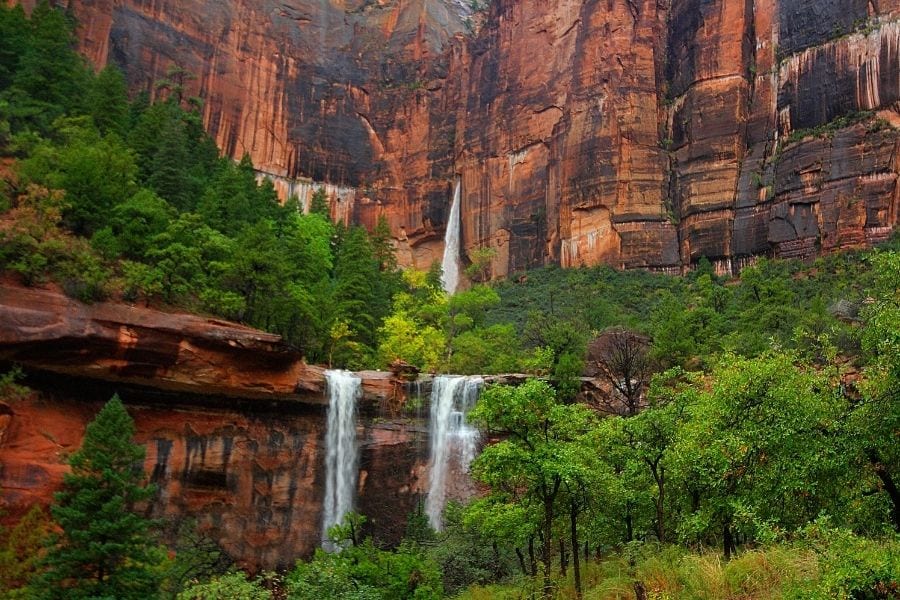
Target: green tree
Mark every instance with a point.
(104, 548)
(567, 342)
(543, 450)
(875, 419)
(383, 247)
(135, 223)
(14, 39)
(356, 289)
(231, 586)
(108, 101)
(318, 204)
(758, 451)
(21, 551)
(96, 173)
(50, 78)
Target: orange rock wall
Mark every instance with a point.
(638, 133)
(251, 479)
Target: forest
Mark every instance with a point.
(745, 442)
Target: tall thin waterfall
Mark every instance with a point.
(453, 441)
(341, 464)
(450, 263)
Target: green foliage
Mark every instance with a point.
(96, 172)
(46, 77)
(467, 555)
(10, 388)
(487, 350)
(318, 204)
(829, 129)
(231, 586)
(755, 444)
(875, 419)
(365, 572)
(104, 548)
(480, 268)
(21, 552)
(108, 102)
(850, 567)
(544, 451)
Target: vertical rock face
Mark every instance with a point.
(638, 133)
(232, 420)
(249, 479)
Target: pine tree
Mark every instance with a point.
(14, 39)
(51, 77)
(108, 100)
(318, 204)
(382, 246)
(104, 549)
(355, 281)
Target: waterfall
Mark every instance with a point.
(450, 262)
(453, 442)
(341, 469)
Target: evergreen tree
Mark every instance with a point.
(355, 282)
(14, 38)
(169, 176)
(382, 246)
(51, 77)
(318, 204)
(104, 549)
(108, 99)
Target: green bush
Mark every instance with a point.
(365, 572)
(231, 586)
(850, 567)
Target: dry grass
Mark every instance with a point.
(673, 574)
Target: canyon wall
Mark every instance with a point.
(250, 479)
(232, 419)
(636, 133)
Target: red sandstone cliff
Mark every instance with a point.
(232, 419)
(639, 133)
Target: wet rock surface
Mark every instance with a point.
(636, 133)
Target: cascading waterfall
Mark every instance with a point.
(453, 441)
(341, 464)
(450, 262)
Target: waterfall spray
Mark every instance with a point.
(450, 262)
(453, 441)
(341, 464)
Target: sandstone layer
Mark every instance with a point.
(175, 352)
(250, 478)
(232, 420)
(637, 133)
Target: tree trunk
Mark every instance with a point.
(545, 547)
(890, 486)
(629, 525)
(522, 561)
(640, 592)
(727, 540)
(563, 559)
(660, 504)
(531, 556)
(576, 567)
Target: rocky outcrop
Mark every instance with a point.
(232, 420)
(250, 478)
(174, 352)
(637, 133)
